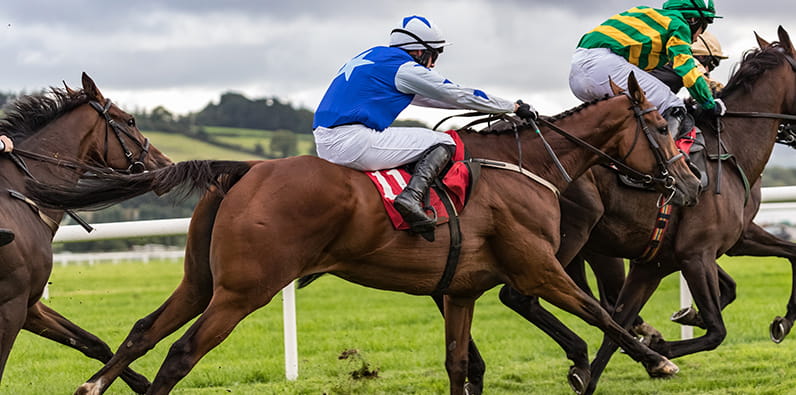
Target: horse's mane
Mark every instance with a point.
(502, 127)
(755, 62)
(26, 115)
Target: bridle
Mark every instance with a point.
(136, 165)
(661, 175)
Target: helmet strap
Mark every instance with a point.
(699, 10)
(418, 40)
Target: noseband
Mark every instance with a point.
(136, 166)
(662, 177)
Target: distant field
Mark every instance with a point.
(181, 148)
(250, 137)
(402, 337)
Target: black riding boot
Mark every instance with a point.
(410, 202)
(6, 236)
(680, 121)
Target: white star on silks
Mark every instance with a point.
(349, 67)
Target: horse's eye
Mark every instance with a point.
(131, 122)
(663, 130)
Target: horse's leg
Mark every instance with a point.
(475, 366)
(458, 319)
(12, 317)
(549, 281)
(700, 272)
(641, 282)
(756, 241)
(610, 275)
(46, 322)
(574, 347)
(186, 302)
(690, 316)
(577, 271)
(229, 305)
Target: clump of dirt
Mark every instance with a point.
(364, 371)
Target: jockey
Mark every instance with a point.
(707, 55)
(352, 122)
(6, 145)
(644, 38)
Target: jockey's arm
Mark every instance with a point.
(432, 90)
(679, 51)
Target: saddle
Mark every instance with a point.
(446, 198)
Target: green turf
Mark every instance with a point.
(401, 336)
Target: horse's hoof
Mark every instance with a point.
(88, 389)
(646, 330)
(664, 369)
(578, 379)
(779, 329)
(688, 316)
(471, 389)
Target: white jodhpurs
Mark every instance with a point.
(363, 148)
(591, 68)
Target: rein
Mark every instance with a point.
(663, 177)
(136, 166)
(769, 115)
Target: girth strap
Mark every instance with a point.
(455, 248)
(35, 207)
(512, 167)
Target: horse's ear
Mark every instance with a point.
(762, 43)
(69, 90)
(635, 89)
(616, 89)
(784, 39)
(91, 89)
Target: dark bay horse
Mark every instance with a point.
(284, 219)
(602, 218)
(55, 135)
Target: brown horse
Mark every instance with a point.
(59, 134)
(603, 219)
(283, 219)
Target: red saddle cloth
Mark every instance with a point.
(686, 141)
(391, 182)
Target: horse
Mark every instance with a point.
(59, 134)
(260, 225)
(601, 218)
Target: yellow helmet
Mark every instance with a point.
(707, 45)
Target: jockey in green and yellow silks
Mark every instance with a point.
(639, 40)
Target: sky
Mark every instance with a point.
(184, 54)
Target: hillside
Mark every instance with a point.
(180, 148)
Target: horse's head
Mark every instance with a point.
(662, 160)
(114, 140)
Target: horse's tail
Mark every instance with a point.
(103, 190)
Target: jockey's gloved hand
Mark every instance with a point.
(720, 108)
(526, 111)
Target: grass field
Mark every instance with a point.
(402, 337)
(181, 148)
(248, 138)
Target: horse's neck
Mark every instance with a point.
(62, 139)
(575, 159)
(751, 140)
